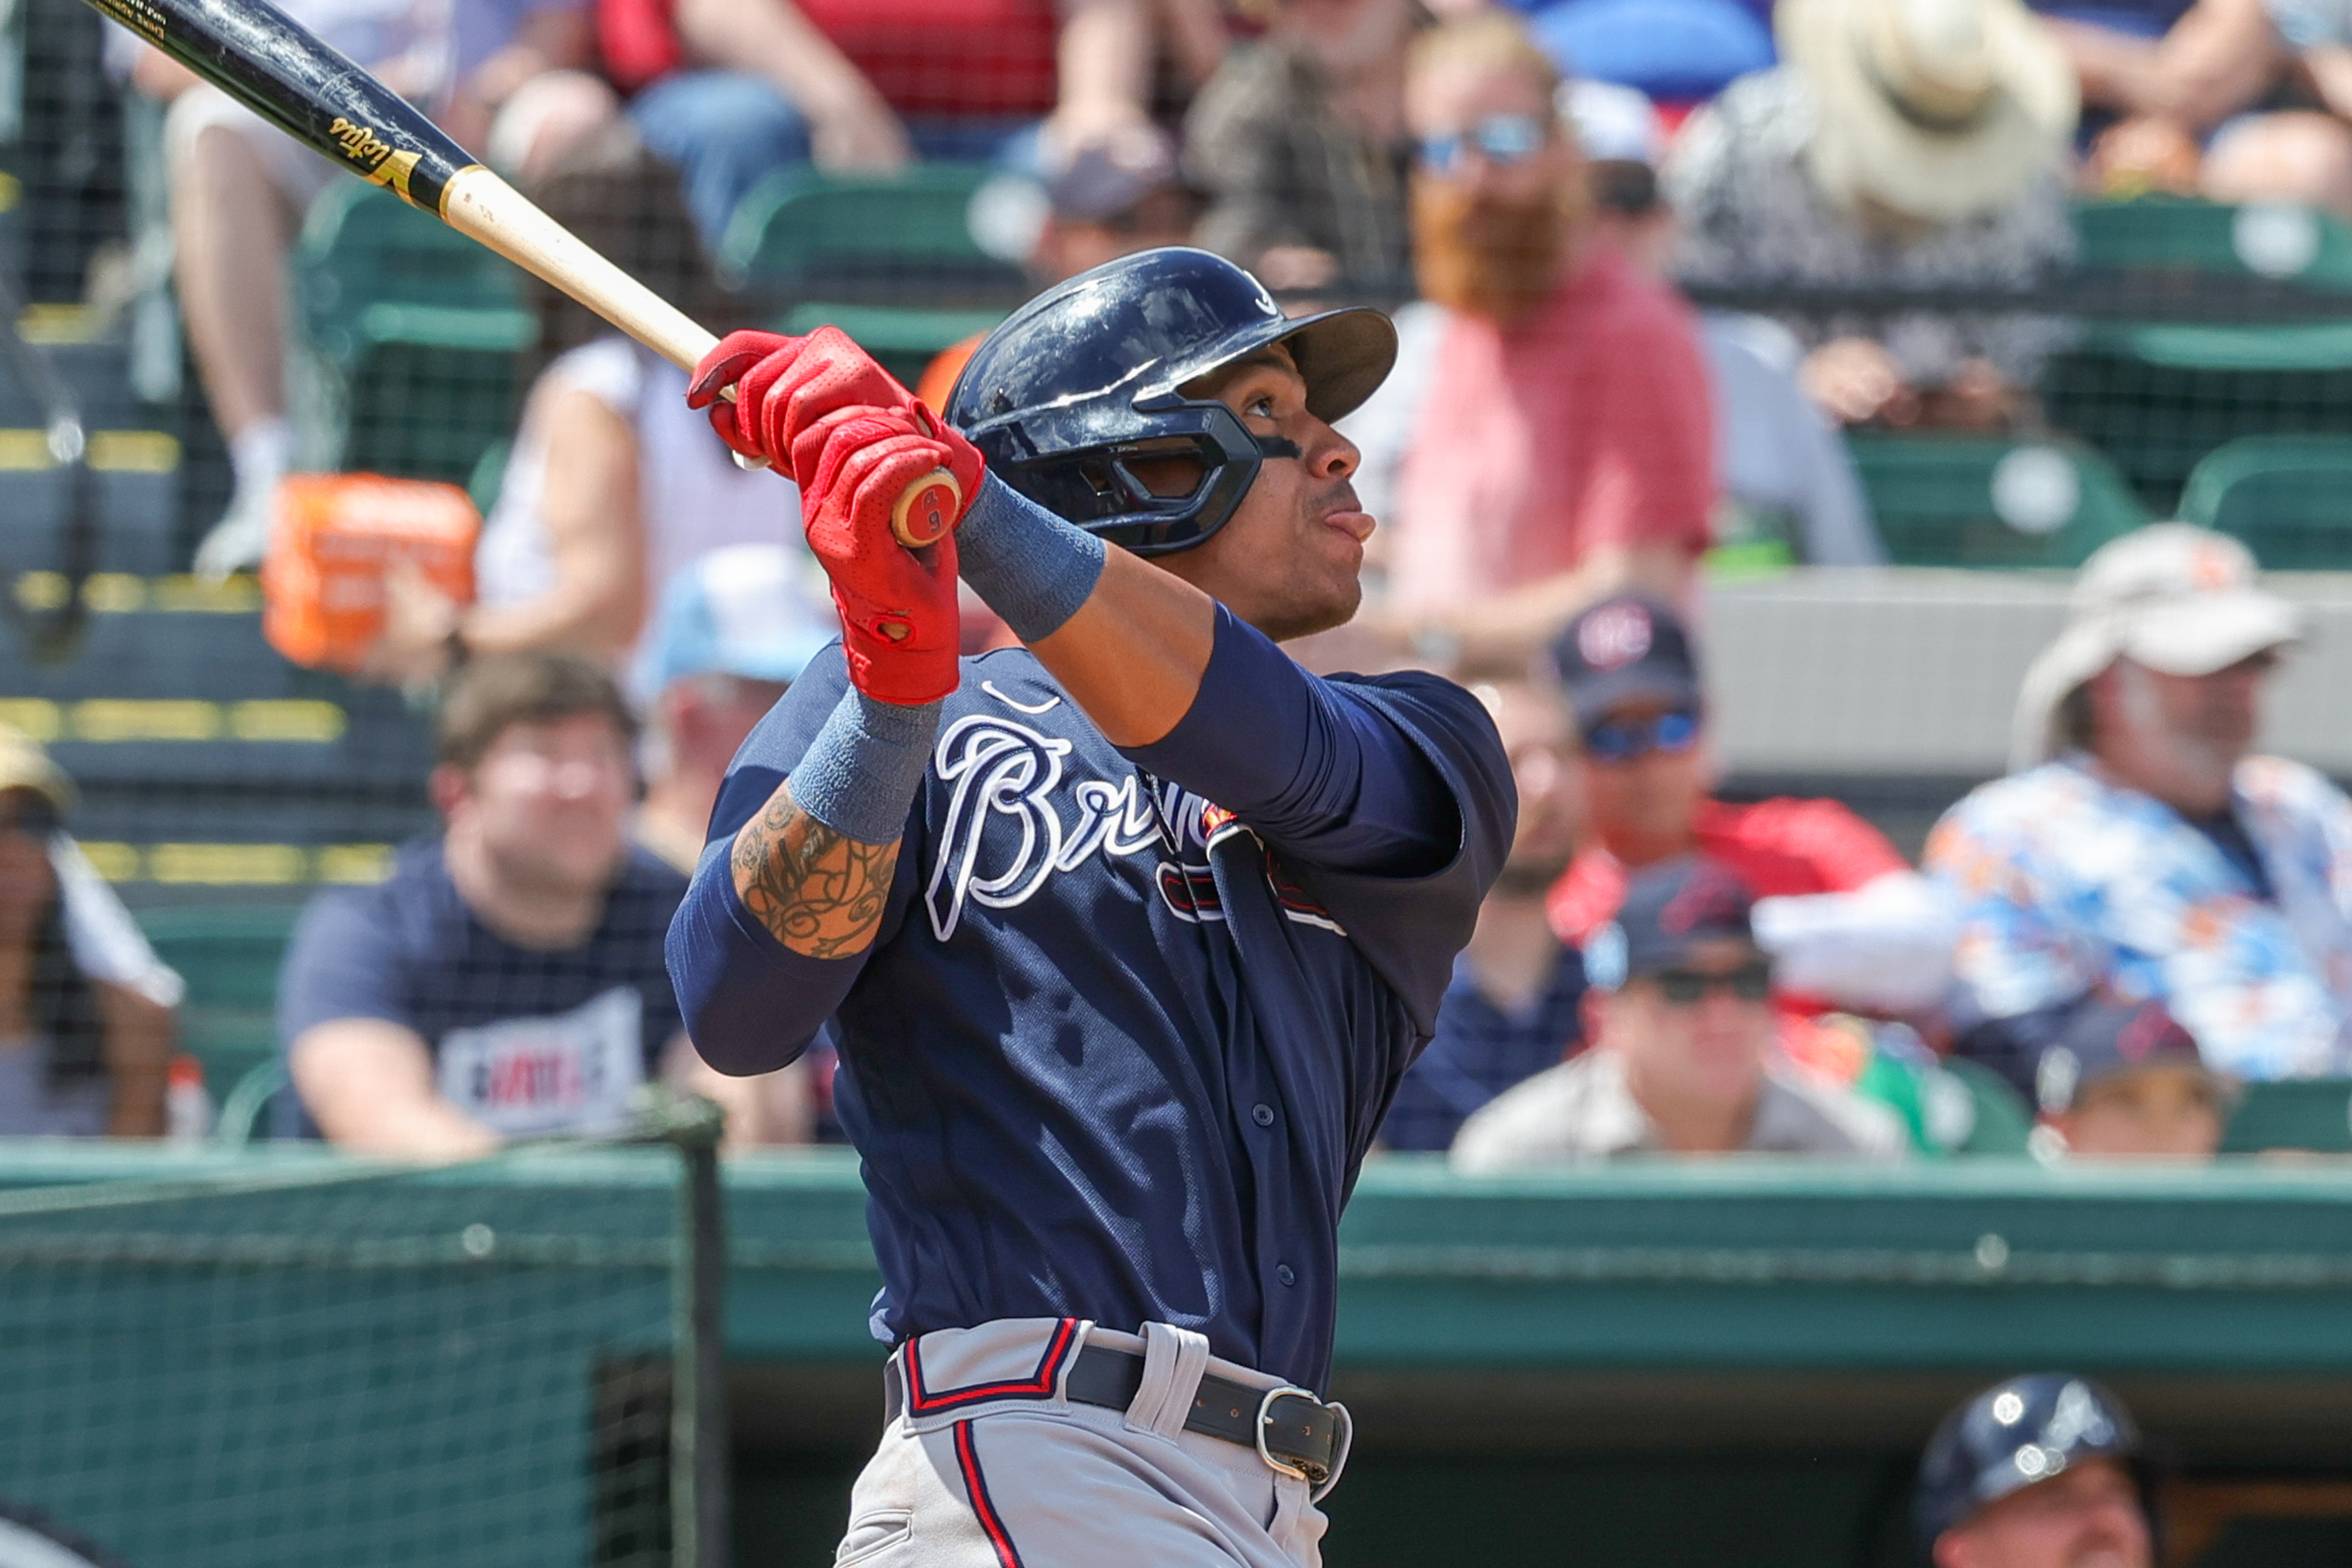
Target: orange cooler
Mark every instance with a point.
(334, 537)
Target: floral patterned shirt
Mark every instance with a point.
(2069, 882)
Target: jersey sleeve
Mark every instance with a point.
(343, 962)
(750, 1004)
(1410, 927)
(1388, 797)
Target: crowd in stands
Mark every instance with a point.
(2141, 917)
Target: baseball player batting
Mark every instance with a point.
(1126, 935)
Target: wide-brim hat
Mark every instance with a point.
(1964, 153)
(2179, 599)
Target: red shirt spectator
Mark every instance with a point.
(1779, 847)
(1583, 425)
(946, 57)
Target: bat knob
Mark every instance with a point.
(928, 509)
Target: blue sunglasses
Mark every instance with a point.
(1500, 139)
(1622, 739)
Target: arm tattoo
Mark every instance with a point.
(818, 893)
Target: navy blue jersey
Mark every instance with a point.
(1114, 1054)
(523, 1039)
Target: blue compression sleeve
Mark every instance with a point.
(1312, 766)
(750, 1004)
(1027, 565)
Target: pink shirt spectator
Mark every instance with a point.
(1588, 426)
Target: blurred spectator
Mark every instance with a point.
(508, 977)
(2294, 156)
(1681, 1060)
(2141, 851)
(86, 1024)
(1678, 52)
(1848, 923)
(1776, 456)
(2123, 1079)
(734, 630)
(1299, 139)
(1106, 202)
(1545, 438)
(614, 484)
(1512, 1008)
(239, 188)
(2157, 78)
(2042, 1471)
(730, 90)
(1914, 146)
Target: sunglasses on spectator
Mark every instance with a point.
(1751, 981)
(1622, 739)
(1501, 139)
(35, 818)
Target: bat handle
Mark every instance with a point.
(926, 510)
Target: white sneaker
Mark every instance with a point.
(239, 539)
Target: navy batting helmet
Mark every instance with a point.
(2014, 1433)
(1085, 385)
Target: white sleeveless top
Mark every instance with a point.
(691, 495)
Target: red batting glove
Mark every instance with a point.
(899, 615)
(783, 385)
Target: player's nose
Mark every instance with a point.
(1329, 455)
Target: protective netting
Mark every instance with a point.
(308, 1363)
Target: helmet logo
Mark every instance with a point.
(1613, 637)
(2078, 1418)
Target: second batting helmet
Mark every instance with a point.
(1087, 384)
(2015, 1434)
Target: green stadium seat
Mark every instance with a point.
(2309, 1115)
(407, 334)
(2288, 498)
(2003, 1119)
(904, 339)
(1992, 501)
(2172, 234)
(866, 239)
(228, 955)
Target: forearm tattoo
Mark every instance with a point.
(817, 892)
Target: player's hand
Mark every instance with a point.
(898, 615)
(784, 386)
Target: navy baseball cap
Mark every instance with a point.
(2013, 1434)
(1667, 911)
(1626, 648)
(2102, 1037)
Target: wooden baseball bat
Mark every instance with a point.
(283, 72)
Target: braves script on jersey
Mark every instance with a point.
(1119, 1052)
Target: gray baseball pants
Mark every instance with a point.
(987, 1463)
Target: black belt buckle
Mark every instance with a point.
(1299, 1467)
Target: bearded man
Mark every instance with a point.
(1547, 439)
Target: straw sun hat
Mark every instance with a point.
(1938, 109)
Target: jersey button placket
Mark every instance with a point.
(1262, 1114)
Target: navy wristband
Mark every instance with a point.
(1025, 563)
(860, 774)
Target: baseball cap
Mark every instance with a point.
(24, 764)
(1667, 911)
(2103, 1037)
(1623, 649)
(2014, 1433)
(2179, 599)
(758, 611)
(1110, 178)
